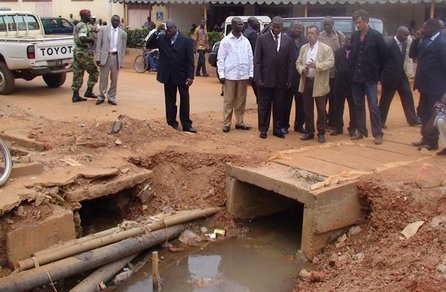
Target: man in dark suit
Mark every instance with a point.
(251, 34)
(296, 34)
(175, 71)
(394, 78)
(343, 89)
(272, 74)
(430, 77)
(368, 49)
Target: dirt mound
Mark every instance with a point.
(187, 180)
(376, 256)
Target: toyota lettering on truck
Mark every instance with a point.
(26, 52)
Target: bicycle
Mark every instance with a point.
(140, 64)
(5, 163)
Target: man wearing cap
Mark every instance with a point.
(83, 58)
(110, 52)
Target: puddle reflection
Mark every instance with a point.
(264, 261)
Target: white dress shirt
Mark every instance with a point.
(235, 58)
(113, 39)
(311, 55)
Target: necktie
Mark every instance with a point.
(276, 42)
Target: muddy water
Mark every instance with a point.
(265, 260)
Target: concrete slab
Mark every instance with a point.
(322, 177)
(108, 187)
(28, 238)
(19, 137)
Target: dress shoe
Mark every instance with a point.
(99, 101)
(279, 134)
(307, 137)
(176, 127)
(190, 130)
(197, 74)
(418, 143)
(428, 147)
(351, 133)
(90, 94)
(226, 129)
(78, 99)
(300, 130)
(416, 122)
(384, 126)
(263, 135)
(442, 152)
(378, 140)
(112, 102)
(357, 136)
(206, 75)
(284, 130)
(336, 132)
(242, 127)
(321, 138)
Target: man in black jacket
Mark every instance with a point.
(296, 34)
(251, 34)
(175, 71)
(368, 55)
(272, 73)
(343, 89)
(394, 78)
(430, 78)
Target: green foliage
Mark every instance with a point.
(135, 37)
(214, 36)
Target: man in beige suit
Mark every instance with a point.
(314, 64)
(110, 52)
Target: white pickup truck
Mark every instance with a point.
(26, 52)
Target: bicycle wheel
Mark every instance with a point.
(5, 163)
(140, 64)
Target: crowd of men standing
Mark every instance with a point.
(328, 67)
(323, 67)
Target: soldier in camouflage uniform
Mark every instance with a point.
(83, 58)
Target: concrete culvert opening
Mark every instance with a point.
(107, 211)
(273, 188)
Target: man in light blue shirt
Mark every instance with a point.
(235, 69)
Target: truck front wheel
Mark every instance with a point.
(55, 80)
(7, 80)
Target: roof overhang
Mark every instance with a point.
(268, 2)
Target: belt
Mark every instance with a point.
(113, 53)
(309, 78)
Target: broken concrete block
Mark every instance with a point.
(28, 238)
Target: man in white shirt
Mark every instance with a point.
(110, 52)
(235, 68)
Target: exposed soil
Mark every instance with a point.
(189, 172)
(379, 257)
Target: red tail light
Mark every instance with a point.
(30, 52)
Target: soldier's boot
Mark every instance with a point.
(77, 97)
(89, 93)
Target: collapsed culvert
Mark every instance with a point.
(108, 211)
